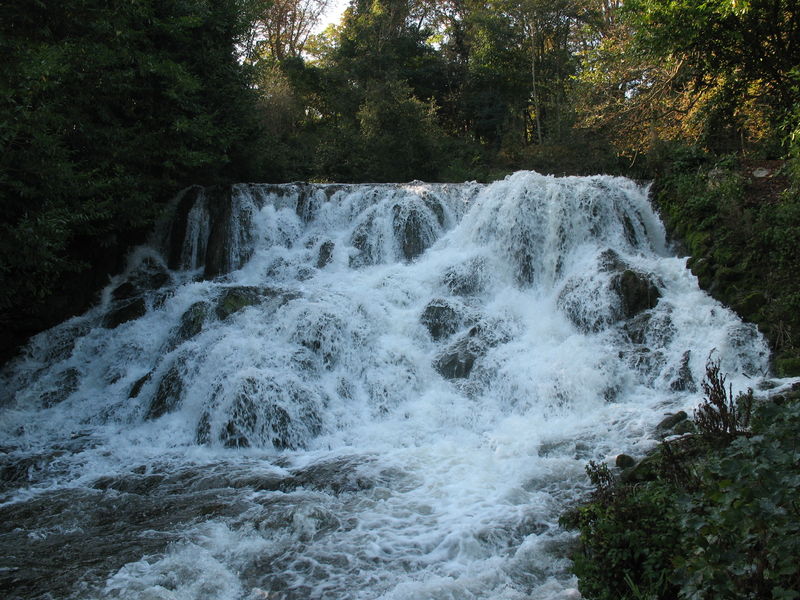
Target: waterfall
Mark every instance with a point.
(385, 391)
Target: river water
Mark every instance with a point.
(352, 392)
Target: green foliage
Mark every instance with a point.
(721, 523)
(618, 560)
(740, 237)
(721, 417)
(744, 528)
(106, 111)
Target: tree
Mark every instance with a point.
(107, 111)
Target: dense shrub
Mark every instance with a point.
(722, 523)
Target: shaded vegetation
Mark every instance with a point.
(715, 517)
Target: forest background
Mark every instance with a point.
(109, 108)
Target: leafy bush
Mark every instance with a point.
(629, 535)
(743, 528)
(723, 524)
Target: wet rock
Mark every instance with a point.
(66, 383)
(124, 291)
(360, 240)
(237, 432)
(218, 260)
(646, 469)
(177, 235)
(624, 461)
(636, 328)
(191, 322)
(325, 254)
(440, 318)
(457, 360)
(138, 385)
(236, 298)
(636, 291)
(436, 208)
(466, 279)
(413, 229)
(684, 381)
(684, 427)
(671, 421)
(123, 312)
(168, 395)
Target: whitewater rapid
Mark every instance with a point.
(352, 392)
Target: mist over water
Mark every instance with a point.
(352, 392)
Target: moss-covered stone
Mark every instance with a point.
(191, 322)
(236, 298)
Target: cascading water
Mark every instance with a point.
(352, 392)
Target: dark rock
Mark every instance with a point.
(123, 312)
(66, 383)
(636, 292)
(124, 291)
(624, 461)
(191, 322)
(466, 279)
(138, 385)
(440, 318)
(671, 421)
(767, 384)
(203, 435)
(684, 427)
(325, 254)
(235, 299)
(646, 469)
(414, 230)
(436, 208)
(457, 361)
(360, 240)
(177, 235)
(168, 395)
(218, 252)
(636, 328)
(684, 381)
(242, 425)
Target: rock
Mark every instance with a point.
(466, 279)
(646, 469)
(218, 260)
(138, 384)
(684, 427)
(457, 361)
(66, 383)
(177, 235)
(624, 461)
(761, 172)
(636, 291)
(123, 312)
(440, 318)
(325, 254)
(766, 384)
(168, 395)
(235, 299)
(671, 421)
(191, 323)
(237, 432)
(124, 291)
(414, 231)
(684, 381)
